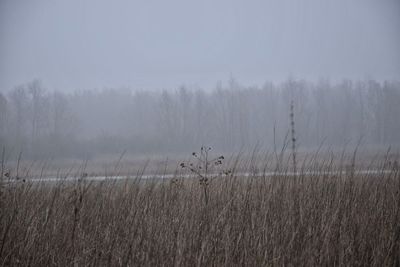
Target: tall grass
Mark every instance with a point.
(331, 218)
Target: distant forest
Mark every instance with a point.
(44, 123)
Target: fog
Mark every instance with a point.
(229, 118)
(156, 45)
(83, 78)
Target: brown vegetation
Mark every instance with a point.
(330, 218)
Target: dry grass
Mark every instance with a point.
(309, 220)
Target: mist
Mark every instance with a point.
(89, 78)
(155, 45)
(200, 133)
(231, 117)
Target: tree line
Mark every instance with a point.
(47, 123)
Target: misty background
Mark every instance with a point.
(81, 78)
(228, 118)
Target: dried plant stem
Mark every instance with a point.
(293, 137)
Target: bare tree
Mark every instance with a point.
(3, 116)
(59, 116)
(36, 92)
(19, 101)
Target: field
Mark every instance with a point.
(323, 215)
(200, 133)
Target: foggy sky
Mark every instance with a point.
(85, 44)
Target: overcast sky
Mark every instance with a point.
(148, 44)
